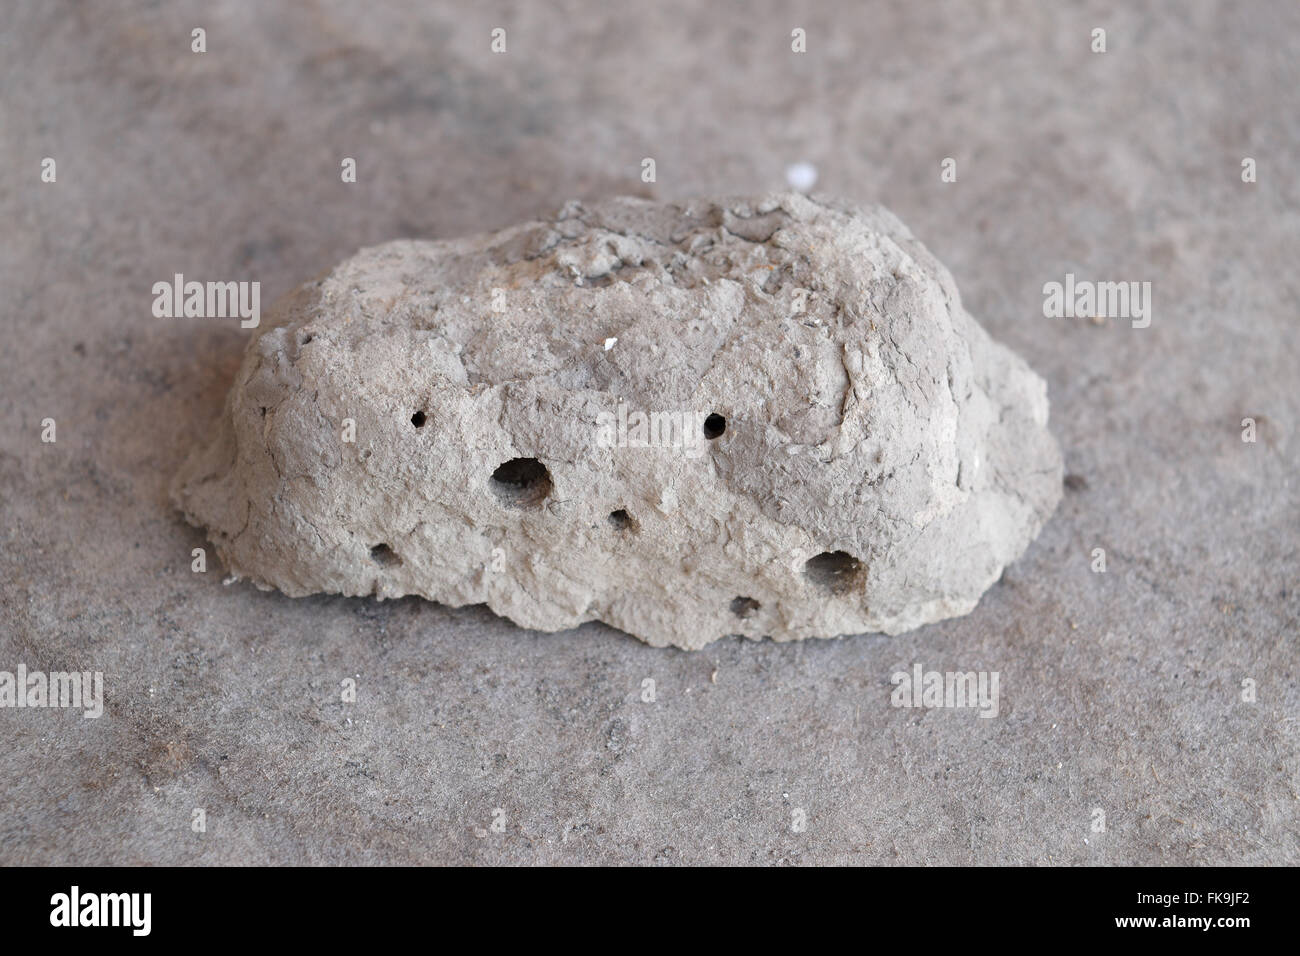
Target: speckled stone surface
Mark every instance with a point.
(1120, 691)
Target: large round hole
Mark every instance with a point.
(714, 426)
(384, 556)
(833, 571)
(521, 483)
(418, 419)
(620, 519)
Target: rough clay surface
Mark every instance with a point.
(877, 461)
(1119, 690)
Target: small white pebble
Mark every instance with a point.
(801, 176)
(609, 343)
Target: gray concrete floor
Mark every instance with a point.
(1120, 691)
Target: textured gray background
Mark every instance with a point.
(1119, 690)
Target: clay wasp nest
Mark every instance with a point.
(768, 417)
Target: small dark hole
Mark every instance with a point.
(744, 607)
(418, 419)
(521, 483)
(384, 556)
(834, 571)
(1076, 483)
(714, 426)
(306, 339)
(620, 519)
